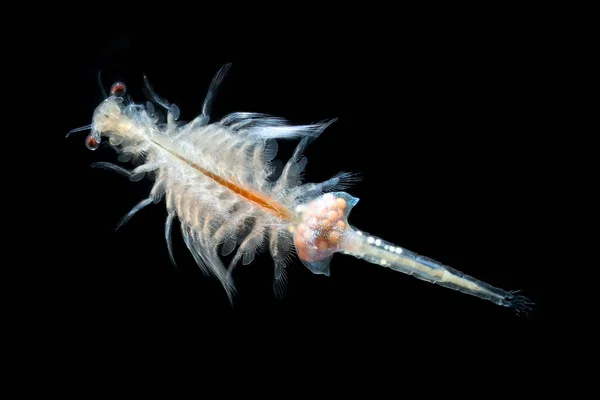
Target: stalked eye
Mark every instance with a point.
(91, 142)
(118, 89)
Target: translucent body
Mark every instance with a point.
(218, 181)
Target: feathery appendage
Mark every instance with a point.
(217, 178)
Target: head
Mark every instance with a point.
(108, 118)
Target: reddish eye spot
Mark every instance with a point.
(118, 89)
(91, 142)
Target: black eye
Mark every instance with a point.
(118, 89)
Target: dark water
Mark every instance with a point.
(439, 125)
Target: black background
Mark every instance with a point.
(439, 115)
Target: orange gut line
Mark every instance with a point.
(279, 210)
